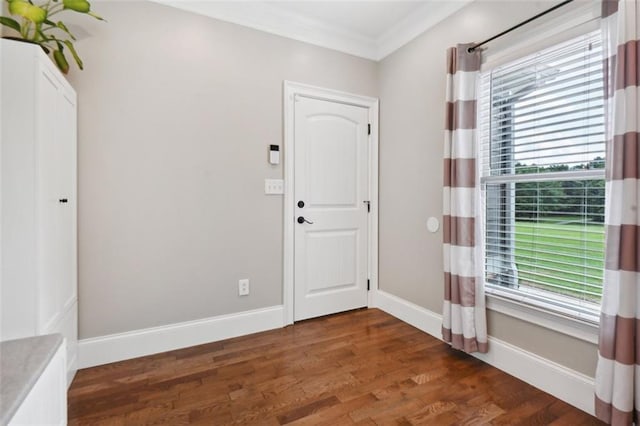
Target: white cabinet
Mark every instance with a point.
(38, 291)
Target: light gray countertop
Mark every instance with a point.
(22, 362)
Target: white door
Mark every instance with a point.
(331, 182)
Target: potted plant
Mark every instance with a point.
(37, 23)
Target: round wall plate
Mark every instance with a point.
(433, 224)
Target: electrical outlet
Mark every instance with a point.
(243, 287)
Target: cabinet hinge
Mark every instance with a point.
(369, 128)
(368, 285)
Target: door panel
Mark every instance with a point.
(331, 179)
(67, 211)
(331, 260)
(332, 146)
(49, 157)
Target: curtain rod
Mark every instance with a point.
(533, 18)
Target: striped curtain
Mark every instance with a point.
(464, 316)
(618, 372)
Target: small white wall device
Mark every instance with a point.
(433, 224)
(274, 154)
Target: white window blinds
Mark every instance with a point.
(542, 142)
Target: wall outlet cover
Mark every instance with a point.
(243, 287)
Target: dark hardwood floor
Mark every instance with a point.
(361, 367)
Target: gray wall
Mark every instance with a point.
(176, 112)
(412, 95)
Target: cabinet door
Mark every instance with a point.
(49, 300)
(66, 226)
(57, 168)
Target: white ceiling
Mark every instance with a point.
(369, 19)
(370, 29)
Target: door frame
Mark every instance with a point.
(291, 90)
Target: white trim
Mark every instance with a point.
(544, 177)
(417, 316)
(564, 383)
(132, 344)
(291, 89)
(274, 19)
(573, 20)
(270, 18)
(72, 368)
(542, 317)
(416, 23)
(570, 386)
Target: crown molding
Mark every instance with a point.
(270, 18)
(266, 17)
(415, 24)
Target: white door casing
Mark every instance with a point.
(331, 164)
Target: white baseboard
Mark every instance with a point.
(72, 368)
(132, 344)
(417, 316)
(564, 383)
(568, 385)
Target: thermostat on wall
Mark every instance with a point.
(274, 154)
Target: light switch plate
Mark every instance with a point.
(274, 186)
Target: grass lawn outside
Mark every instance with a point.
(561, 255)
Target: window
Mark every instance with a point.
(541, 122)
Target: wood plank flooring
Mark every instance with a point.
(362, 367)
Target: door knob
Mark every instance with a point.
(301, 219)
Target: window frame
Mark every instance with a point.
(546, 35)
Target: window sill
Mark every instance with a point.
(580, 329)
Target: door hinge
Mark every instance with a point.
(368, 285)
(368, 203)
(369, 128)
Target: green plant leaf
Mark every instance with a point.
(28, 11)
(11, 23)
(81, 6)
(99, 18)
(72, 49)
(61, 61)
(64, 28)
